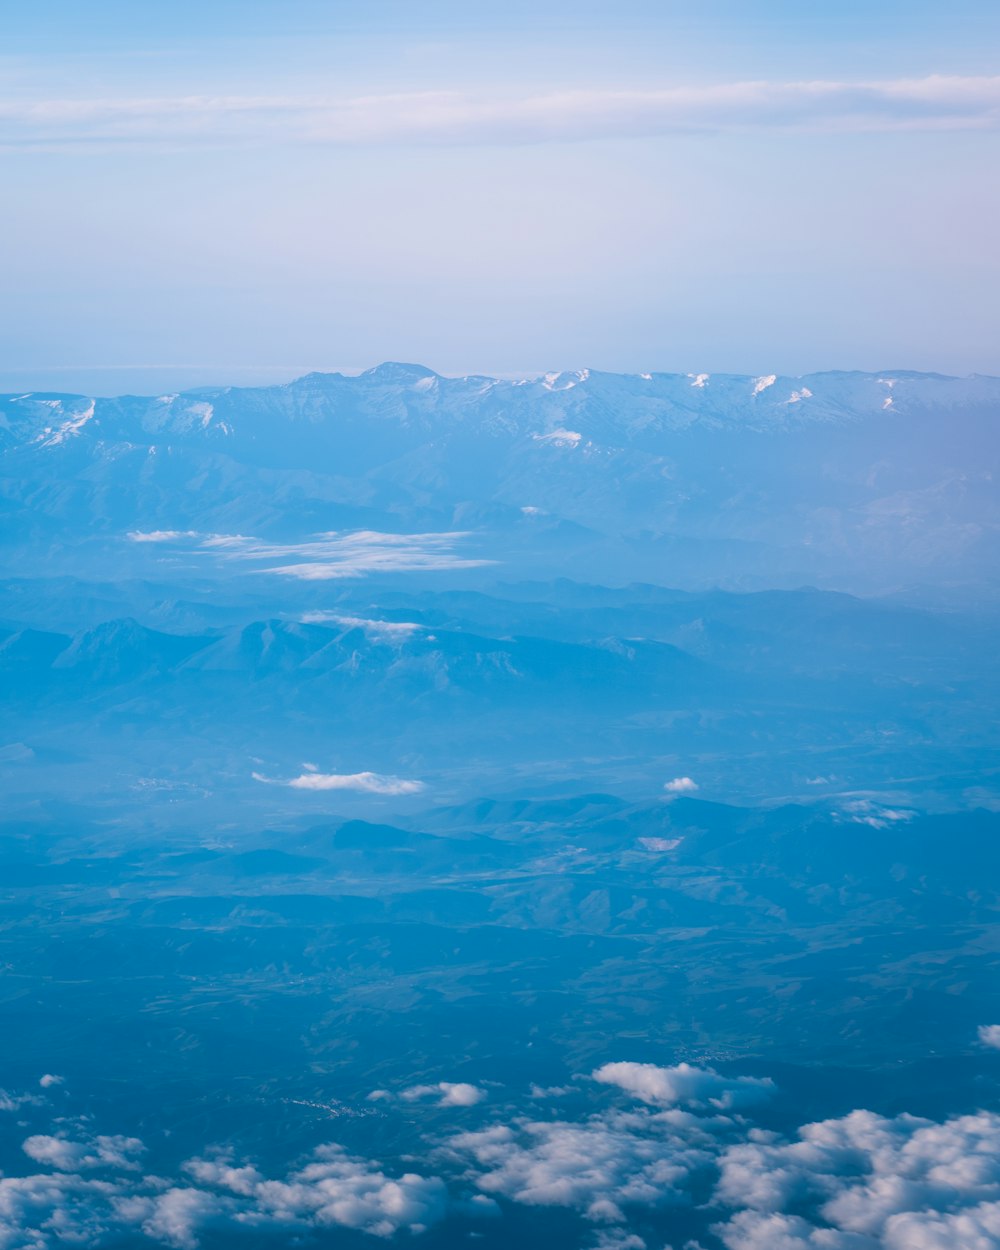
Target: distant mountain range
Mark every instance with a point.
(850, 480)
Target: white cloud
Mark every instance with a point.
(446, 1093)
(393, 632)
(619, 1239)
(889, 1184)
(14, 1102)
(338, 1189)
(989, 1035)
(50, 1079)
(348, 554)
(331, 1189)
(600, 1167)
(366, 783)
(331, 555)
(752, 1230)
(176, 1217)
(159, 536)
(684, 1085)
(977, 1228)
(70, 1156)
(42, 1211)
(934, 102)
(681, 785)
(860, 1182)
(221, 1172)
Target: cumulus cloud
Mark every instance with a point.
(865, 1182)
(331, 1189)
(446, 1093)
(684, 1085)
(752, 1230)
(99, 1152)
(40, 1211)
(49, 1079)
(933, 102)
(681, 785)
(176, 1216)
(334, 1189)
(989, 1035)
(600, 1167)
(367, 783)
(858, 1182)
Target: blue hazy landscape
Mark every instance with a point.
(542, 789)
(439, 807)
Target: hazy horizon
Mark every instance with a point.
(110, 381)
(505, 189)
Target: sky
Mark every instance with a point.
(243, 191)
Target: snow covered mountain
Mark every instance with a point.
(861, 481)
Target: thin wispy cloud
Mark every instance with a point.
(327, 556)
(934, 102)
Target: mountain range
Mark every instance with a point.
(861, 482)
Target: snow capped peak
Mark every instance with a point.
(564, 381)
(701, 379)
(762, 383)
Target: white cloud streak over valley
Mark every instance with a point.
(366, 782)
(327, 556)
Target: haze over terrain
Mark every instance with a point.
(543, 789)
(465, 809)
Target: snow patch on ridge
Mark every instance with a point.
(68, 429)
(203, 410)
(761, 384)
(564, 381)
(560, 438)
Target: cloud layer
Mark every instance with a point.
(935, 102)
(858, 1182)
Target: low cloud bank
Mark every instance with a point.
(858, 1182)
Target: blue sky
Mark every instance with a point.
(234, 191)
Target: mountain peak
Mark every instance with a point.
(396, 371)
